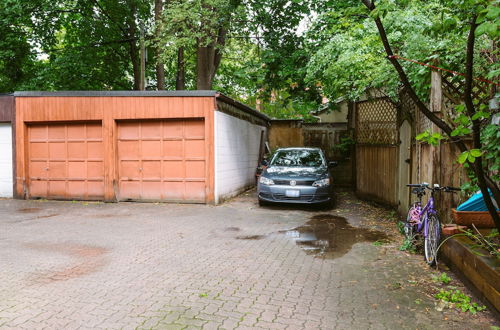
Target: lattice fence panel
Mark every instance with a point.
(454, 87)
(407, 105)
(376, 122)
(453, 92)
(423, 123)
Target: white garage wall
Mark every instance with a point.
(5, 160)
(237, 144)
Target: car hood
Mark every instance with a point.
(295, 173)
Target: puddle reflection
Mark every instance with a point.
(330, 236)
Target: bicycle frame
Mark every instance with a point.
(424, 213)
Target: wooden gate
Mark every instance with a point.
(327, 136)
(377, 140)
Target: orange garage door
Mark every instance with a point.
(66, 161)
(162, 160)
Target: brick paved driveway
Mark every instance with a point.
(67, 265)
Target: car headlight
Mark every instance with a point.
(266, 181)
(322, 183)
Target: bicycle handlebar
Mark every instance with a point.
(425, 185)
(451, 189)
(418, 185)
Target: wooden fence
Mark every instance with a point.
(388, 156)
(295, 133)
(376, 176)
(377, 150)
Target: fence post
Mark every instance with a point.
(436, 105)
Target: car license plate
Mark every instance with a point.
(292, 193)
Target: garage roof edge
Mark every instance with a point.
(242, 106)
(204, 93)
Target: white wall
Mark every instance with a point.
(5, 160)
(237, 144)
(336, 116)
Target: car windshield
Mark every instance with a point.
(306, 158)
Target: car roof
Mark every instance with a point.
(299, 148)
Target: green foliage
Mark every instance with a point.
(345, 145)
(283, 53)
(68, 45)
(481, 243)
(430, 138)
(401, 227)
(458, 299)
(349, 57)
(489, 242)
(489, 20)
(468, 188)
(490, 137)
(284, 106)
(442, 278)
(408, 245)
(469, 156)
(189, 22)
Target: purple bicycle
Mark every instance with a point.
(425, 221)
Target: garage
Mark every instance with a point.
(150, 146)
(6, 146)
(5, 160)
(162, 160)
(66, 161)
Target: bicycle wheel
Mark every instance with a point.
(409, 226)
(431, 240)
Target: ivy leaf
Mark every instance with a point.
(480, 115)
(460, 108)
(464, 120)
(422, 136)
(475, 152)
(463, 157)
(493, 12)
(487, 28)
(471, 158)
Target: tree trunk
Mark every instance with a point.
(180, 80)
(133, 49)
(203, 78)
(133, 52)
(208, 59)
(160, 68)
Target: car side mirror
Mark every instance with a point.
(264, 162)
(332, 164)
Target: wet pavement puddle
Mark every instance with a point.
(329, 236)
(29, 210)
(47, 216)
(87, 260)
(231, 229)
(250, 237)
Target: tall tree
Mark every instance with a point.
(202, 24)
(160, 68)
(180, 77)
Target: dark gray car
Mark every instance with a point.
(296, 175)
